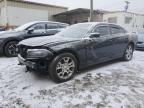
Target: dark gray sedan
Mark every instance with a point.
(76, 47)
(9, 39)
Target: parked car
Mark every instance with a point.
(9, 39)
(140, 44)
(2, 29)
(76, 47)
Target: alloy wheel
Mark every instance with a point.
(12, 49)
(65, 68)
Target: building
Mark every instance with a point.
(78, 15)
(18, 12)
(133, 22)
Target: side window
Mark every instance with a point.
(38, 26)
(51, 26)
(103, 30)
(117, 30)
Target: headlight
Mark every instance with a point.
(38, 53)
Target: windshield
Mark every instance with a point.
(24, 27)
(75, 31)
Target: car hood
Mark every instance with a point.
(47, 40)
(141, 38)
(10, 33)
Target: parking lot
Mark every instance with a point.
(115, 84)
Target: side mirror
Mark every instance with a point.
(94, 35)
(30, 30)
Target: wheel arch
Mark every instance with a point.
(132, 43)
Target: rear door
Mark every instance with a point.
(52, 29)
(119, 37)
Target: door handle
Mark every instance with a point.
(43, 32)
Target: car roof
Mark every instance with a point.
(96, 23)
(33, 22)
(103, 23)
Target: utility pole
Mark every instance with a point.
(127, 6)
(6, 14)
(91, 10)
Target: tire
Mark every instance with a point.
(10, 49)
(59, 69)
(128, 54)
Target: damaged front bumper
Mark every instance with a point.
(37, 65)
(23, 61)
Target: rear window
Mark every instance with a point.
(117, 30)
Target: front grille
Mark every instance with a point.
(22, 50)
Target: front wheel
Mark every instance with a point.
(128, 53)
(63, 67)
(10, 49)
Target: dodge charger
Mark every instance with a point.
(77, 47)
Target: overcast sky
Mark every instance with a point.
(136, 5)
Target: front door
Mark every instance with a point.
(98, 47)
(38, 30)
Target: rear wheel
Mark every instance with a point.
(128, 53)
(63, 67)
(10, 49)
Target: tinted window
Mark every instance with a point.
(38, 26)
(103, 30)
(51, 26)
(117, 30)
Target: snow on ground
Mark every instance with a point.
(115, 84)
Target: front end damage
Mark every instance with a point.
(34, 58)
